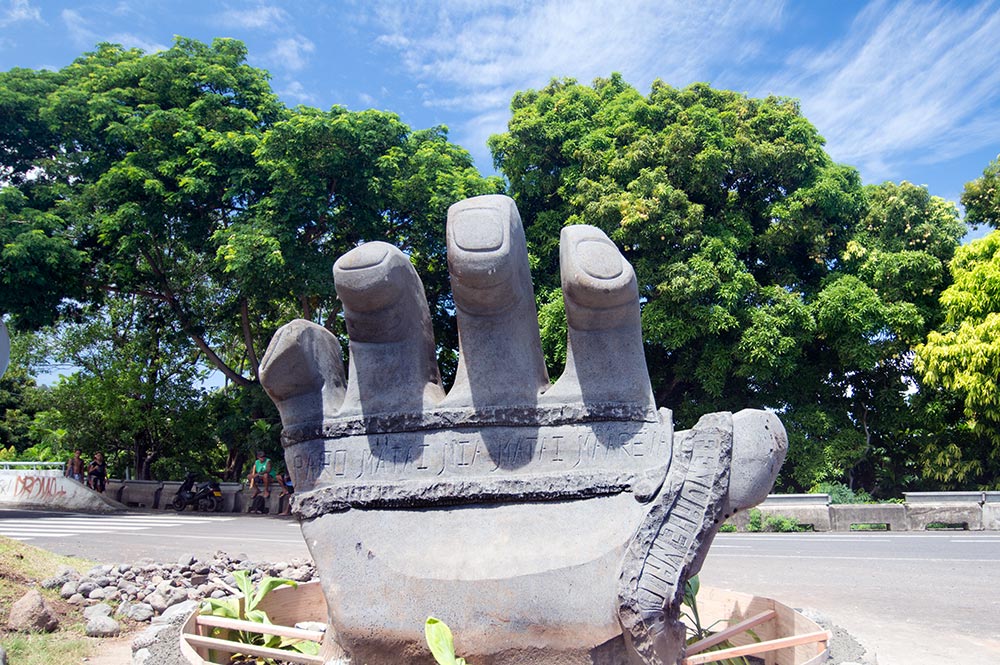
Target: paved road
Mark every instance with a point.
(162, 535)
(913, 599)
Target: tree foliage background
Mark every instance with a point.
(161, 215)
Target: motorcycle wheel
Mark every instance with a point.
(209, 504)
(178, 504)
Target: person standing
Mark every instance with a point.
(97, 473)
(74, 467)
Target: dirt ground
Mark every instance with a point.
(113, 650)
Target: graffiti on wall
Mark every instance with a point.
(45, 488)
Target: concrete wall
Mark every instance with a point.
(973, 511)
(49, 489)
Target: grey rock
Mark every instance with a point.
(30, 613)
(102, 626)
(149, 636)
(76, 599)
(3, 656)
(140, 612)
(177, 614)
(157, 601)
(101, 609)
(141, 657)
(85, 587)
(97, 594)
(67, 589)
(186, 560)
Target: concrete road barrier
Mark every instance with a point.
(845, 515)
(964, 509)
(141, 493)
(806, 509)
(991, 511)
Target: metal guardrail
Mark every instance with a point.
(20, 466)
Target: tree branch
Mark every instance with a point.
(248, 337)
(185, 322)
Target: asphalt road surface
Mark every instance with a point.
(911, 598)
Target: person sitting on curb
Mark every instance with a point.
(74, 467)
(97, 473)
(287, 489)
(261, 472)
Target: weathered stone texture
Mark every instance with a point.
(544, 523)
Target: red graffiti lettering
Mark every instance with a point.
(37, 487)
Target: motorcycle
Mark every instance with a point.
(206, 498)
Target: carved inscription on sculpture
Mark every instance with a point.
(475, 453)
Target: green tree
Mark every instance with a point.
(133, 396)
(963, 357)
(179, 179)
(769, 277)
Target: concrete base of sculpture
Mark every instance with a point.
(545, 523)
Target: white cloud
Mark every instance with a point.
(291, 53)
(262, 17)
(129, 40)
(19, 10)
(911, 81)
(482, 52)
(78, 28)
(83, 34)
(297, 92)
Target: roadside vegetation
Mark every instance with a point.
(22, 568)
(162, 214)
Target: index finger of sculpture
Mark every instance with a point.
(392, 367)
(500, 351)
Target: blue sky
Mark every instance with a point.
(901, 90)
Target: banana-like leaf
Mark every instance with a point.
(221, 607)
(441, 642)
(266, 586)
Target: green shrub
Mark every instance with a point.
(755, 522)
(727, 528)
(781, 524)
(841, 493)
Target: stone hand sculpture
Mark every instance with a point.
(545, 523)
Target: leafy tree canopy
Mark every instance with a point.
(769, 276)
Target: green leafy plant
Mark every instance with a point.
(755, 521)
(441, 643)
(841, 493)
(246, 608)
(727, 528)
(698, 632)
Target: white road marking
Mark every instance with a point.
(62, 526)
(764, 555)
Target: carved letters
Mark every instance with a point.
(480, 453)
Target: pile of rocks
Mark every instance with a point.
(145, 589)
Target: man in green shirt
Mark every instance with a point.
(261, 472)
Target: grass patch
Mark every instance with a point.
(870, 527)
(23, 567)
(948, 526)
(45, 649)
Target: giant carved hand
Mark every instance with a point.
(559, 520)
